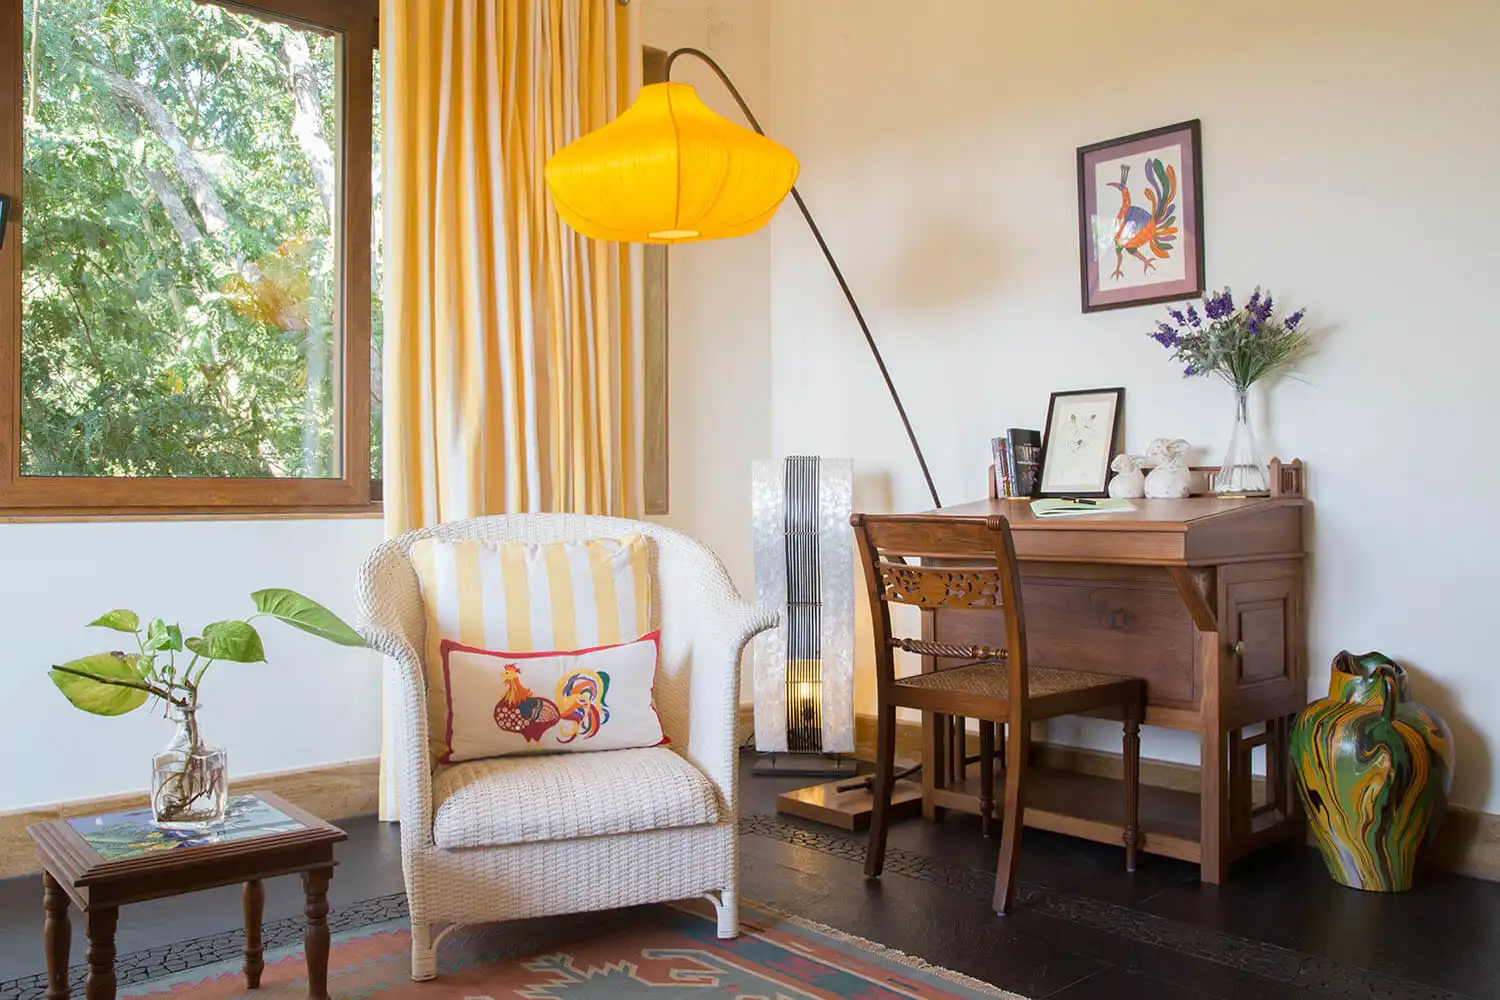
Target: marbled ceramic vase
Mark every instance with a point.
(1375, 769)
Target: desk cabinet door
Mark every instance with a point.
(1262, 628)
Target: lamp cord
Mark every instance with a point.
(828, 255)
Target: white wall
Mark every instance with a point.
(311, 703)
(1351, 162)
(719, 304)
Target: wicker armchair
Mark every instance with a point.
(617, 828)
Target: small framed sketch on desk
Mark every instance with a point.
(1081, 437)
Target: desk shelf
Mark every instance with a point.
(1093, 807)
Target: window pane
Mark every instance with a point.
(180, 268)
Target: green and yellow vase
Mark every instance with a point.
(1375, 769)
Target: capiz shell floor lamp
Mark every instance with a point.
(803, 668)
(670, 170)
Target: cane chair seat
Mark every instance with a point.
(991, 679)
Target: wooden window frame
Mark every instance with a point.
(355, 22)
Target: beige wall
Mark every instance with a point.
(719, 304)
(1351, 162)
(719, 301)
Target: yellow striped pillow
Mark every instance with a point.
(527, 597)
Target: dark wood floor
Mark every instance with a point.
(1083, 928)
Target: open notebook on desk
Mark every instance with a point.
(1060, 507)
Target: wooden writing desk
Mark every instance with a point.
(1200, 597)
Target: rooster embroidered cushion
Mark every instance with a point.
(523, 598)
(502, 703)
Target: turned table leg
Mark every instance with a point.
(253, 900)
(101, 929)
(315, 940)
(57, 936)
(1132, 833)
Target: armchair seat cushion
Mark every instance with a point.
(542, 797)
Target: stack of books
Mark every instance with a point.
(1018, 459)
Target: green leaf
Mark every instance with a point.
(235, 641)
(197, 645)
(160, 635)
(92, 693)
(306, 614)
(120, 620)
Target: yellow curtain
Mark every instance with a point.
(512, 345)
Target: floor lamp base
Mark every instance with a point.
(848, 804)
(845, 802)
(805, 765)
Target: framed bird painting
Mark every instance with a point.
(1140, 218)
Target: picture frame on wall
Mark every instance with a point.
(1080, 439)
(1140, 218)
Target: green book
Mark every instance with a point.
(1057, 507)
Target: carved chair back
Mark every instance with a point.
(972, 568)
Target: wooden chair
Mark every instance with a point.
(977, 572)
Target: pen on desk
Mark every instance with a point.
(1082, 500)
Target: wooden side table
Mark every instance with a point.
(101, 863)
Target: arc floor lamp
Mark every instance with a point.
(670, 170)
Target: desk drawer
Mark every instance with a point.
(1128, 628)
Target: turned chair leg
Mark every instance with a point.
(1132, 834)
(1010, 822)
(881, 790)
(986, 778)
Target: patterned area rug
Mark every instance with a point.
(651, 953)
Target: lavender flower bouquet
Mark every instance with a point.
(1242, 346)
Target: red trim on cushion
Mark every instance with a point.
(444, 648)
(447, 646)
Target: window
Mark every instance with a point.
(186, 278)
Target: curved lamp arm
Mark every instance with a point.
(828, 255)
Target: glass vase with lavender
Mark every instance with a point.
(1241, 345)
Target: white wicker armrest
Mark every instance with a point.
(722, 631)
(391, 619)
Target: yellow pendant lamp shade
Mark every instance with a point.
(669, 170)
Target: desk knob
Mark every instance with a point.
(1239, 649)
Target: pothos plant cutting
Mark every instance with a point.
(189, 786)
